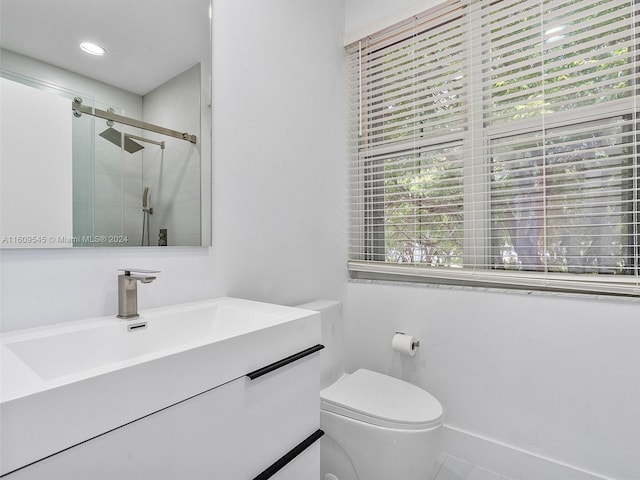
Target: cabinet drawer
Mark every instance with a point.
(231, 432)
(189, 441)
(283, 408)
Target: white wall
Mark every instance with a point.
(279, 204)
(40, 287)
(556, 376)
(368, 16)
(279, 230)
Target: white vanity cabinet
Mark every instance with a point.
(239, 430)
(222, 389)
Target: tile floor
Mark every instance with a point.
(452, 468)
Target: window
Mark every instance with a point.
(496, 143)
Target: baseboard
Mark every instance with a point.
(508, 460)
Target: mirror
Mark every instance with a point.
(105, 150)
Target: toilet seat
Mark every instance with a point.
(382, 400)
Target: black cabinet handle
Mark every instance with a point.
(285, 361)
(290, 455)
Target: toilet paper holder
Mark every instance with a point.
(414, 345)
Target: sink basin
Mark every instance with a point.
(117, 342)
(64, 384)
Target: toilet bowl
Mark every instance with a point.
(376, 427)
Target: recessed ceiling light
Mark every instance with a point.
(92, 48)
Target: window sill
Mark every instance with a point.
(549, 282)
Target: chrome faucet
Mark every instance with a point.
(128, 290)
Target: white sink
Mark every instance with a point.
(111, 342)
(66, 383)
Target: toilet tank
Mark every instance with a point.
(332, 357)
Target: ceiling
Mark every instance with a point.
(147, 41)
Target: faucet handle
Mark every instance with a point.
(128, 271)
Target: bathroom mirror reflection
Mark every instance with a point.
(105, 150)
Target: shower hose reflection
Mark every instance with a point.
(146, 212)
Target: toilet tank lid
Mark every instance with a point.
(382, 400)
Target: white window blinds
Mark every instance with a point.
(496, 143)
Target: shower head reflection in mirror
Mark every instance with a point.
(116, 137)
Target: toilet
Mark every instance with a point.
(376, 427)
